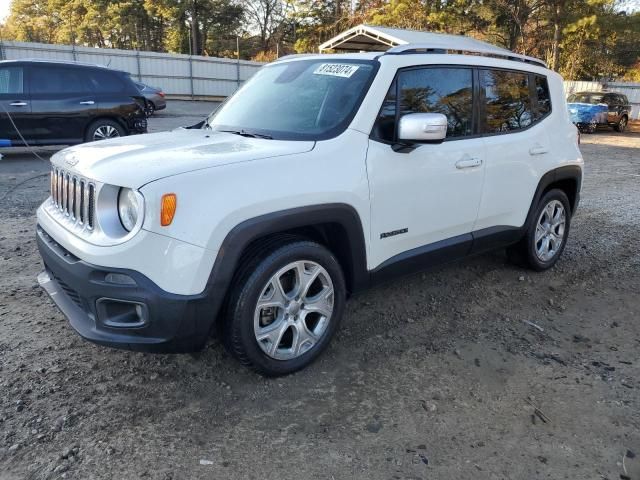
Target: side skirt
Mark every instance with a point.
(445, 251)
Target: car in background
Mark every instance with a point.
(63, 103)
(588, 110)
(154, 98)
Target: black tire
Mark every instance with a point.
(150, 109)
(591, 127)
(622, 124)
(524, 252)
(104, 125)
(238, 334)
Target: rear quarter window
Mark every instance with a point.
(541, 97)
(108, 82)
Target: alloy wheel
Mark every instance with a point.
(622, 125)
(294, 310)
(550, 230)
(105, 131)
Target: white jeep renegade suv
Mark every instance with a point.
(323, 175)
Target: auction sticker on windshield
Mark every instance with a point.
(336, 70)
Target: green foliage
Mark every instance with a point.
(582, 39)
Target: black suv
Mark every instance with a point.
(62, 103)
(588, 110)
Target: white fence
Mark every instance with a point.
(630, 89)
(178, 75)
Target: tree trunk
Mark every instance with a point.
(195, 31)
(557, 35)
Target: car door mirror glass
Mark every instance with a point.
(422, 127)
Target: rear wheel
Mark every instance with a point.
(547, 233)
(622, 124)
(104, 129)
(285, 306)
(150, 109)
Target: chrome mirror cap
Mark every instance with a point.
(422, 127)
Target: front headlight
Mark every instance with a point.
(128, 208)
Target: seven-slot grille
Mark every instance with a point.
(74, 196)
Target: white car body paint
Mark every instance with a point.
(222, 179)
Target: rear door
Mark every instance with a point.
(615, 107)
(14, 105)
(117, 95)
(62, 103)
(514, 105)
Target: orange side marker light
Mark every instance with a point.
(168, 208)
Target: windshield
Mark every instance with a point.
(592, 98)
(301, 100)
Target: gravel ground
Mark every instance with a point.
(475, 370)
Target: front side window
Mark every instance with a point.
(300, 100)
(11, 80)
(507, 103)
(446, 90)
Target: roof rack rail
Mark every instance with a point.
(463, 46)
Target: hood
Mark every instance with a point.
(587, 112)
(139, 159)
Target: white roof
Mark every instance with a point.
(396, 40)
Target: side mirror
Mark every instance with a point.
(422, 127)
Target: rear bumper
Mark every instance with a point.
(122, 308)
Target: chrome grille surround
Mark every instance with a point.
(73, 198)
(88, 208)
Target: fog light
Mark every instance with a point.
(121, 313)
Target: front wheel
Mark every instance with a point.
(547, 233)
(285, 306)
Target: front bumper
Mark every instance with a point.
(137, 125)
(122, 308)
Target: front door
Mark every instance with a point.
(15, 106)
(427, 197)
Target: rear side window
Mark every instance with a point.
(54, 81)
(11, 80)
(541, 97)
(429, 90)
(507, 105)
(105, 81)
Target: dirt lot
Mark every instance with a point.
(432, 377)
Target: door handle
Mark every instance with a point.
(538, 150)
(468, 163)
(18, 104)
(88, 102)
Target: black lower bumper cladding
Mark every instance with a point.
(122, 308)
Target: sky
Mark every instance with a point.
(4, 9)
(633, 5)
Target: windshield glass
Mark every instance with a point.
(300, 100)
(592, 98)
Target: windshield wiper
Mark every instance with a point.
(244, 133)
